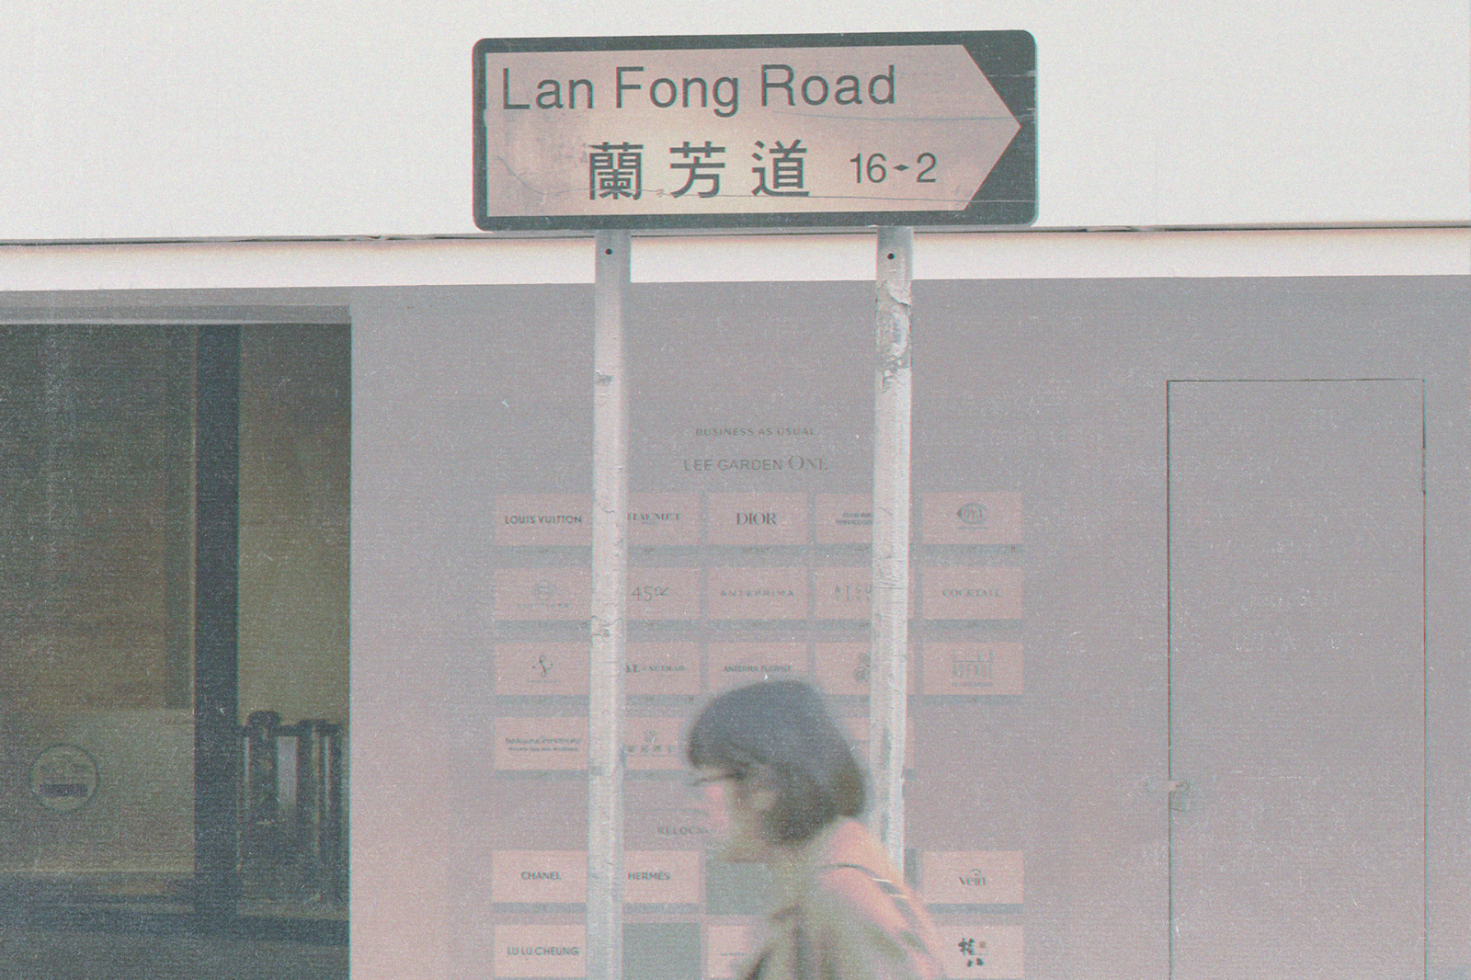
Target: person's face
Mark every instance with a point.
(732, 810)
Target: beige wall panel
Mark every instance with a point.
(1053, 391)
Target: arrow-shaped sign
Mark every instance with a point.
(746, 131)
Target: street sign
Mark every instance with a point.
(746, 131)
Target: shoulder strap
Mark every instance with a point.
(905, 907)
(895, 893)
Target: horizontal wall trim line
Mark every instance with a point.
(1100, 254)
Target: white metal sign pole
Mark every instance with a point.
(888, 698)
(609, 609)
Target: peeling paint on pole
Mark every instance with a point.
(889, 622)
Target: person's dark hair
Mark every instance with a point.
(782, 731)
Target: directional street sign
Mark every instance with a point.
(743, 131)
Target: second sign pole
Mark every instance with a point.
(888, 698)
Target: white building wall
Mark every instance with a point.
(140, 120)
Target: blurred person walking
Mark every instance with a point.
(781, 786)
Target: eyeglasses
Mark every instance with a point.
(695, 783)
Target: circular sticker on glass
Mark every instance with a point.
(64, 778)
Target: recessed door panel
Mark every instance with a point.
(1297, 679)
